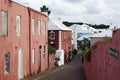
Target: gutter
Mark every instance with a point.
(29, 15)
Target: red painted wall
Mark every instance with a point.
(51, 60)
(66, 41)
(55, 41)
(103, 66)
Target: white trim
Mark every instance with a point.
(33, 26)
(33, 56)
(53, 33)
(20, 63)
(39, 26)
(57, 25)
(59, 40)
(18, 25)
(20, 3)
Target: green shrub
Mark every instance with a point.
(87, 51)
(87, 54)
(105, 39)
(51, 49)
(86, 44)
(82, 47)
(74, 52)
(47, 69)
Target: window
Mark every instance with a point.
(33, 56)
(39, 27)
(7, 62)
(44, 27)
(18, 32)
(45, 52)
(113, 53)
(44, 49)
(4, 23)
(33, 26)
(52, 35)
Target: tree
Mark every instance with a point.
(44, 8)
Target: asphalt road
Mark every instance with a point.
(71, 71)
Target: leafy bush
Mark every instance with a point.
(86, 44)
(82, 47)
(105, 39)
(74, 52)
(87, 51)
(87, 54)
(51, 49)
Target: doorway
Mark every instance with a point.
(20, 63)
(39, 60)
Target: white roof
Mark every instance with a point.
(57, 25)
(85, 36)
(114, 27)
(17, 1)
(26, 5)
(83, 28)
(105, 33)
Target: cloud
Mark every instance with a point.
(74, 1)
(70, 7)
(104, 18)
(65, 8)
(112, 1)
(95, 6)
(91, 11)
(78, 7)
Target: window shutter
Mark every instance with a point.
(33, 26)
(39, 29)
(4, 23)
(33, 55)
(7, 62)
(18, 32)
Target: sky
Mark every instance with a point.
(89, 11)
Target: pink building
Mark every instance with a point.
(105, 60)
(23, 41)
(38, 40)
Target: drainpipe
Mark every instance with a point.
(29, 15)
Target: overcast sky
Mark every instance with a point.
(90, 11)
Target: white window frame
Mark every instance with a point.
(18, 25)
(44, 27)
(33, 26)
(4, 23)
(39, 26)
(7, 62)
(52, 35)
(33, 55)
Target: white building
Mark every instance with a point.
(76, 29)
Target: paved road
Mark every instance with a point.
(71, 71)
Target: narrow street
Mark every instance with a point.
(70, 71)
